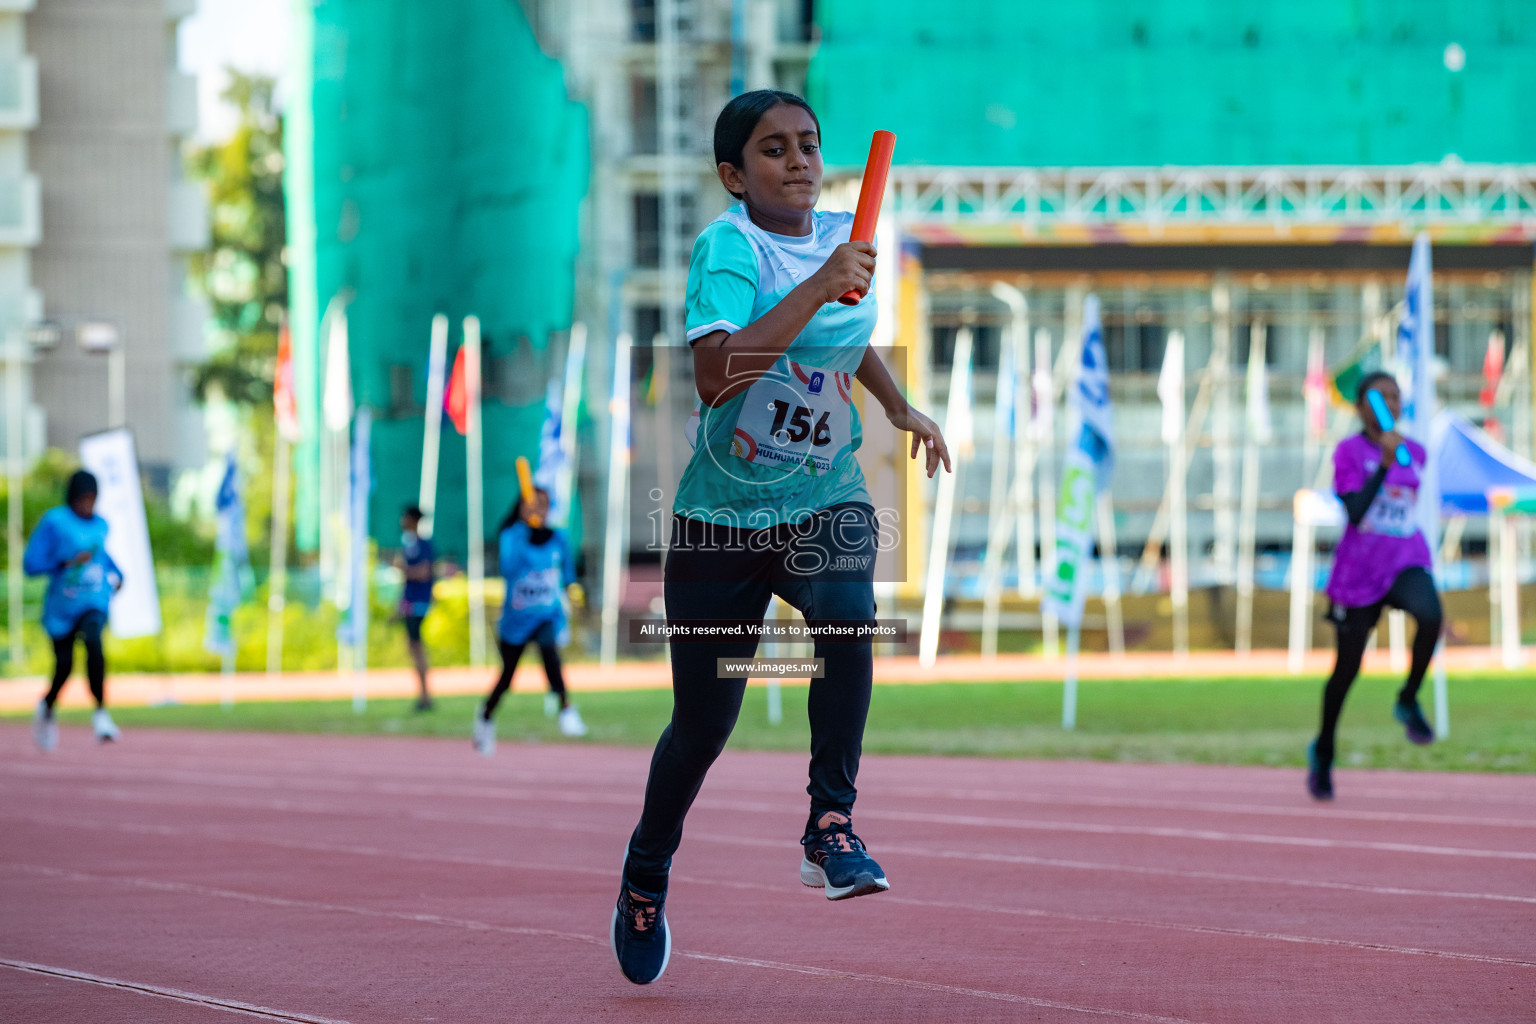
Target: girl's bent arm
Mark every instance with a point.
(925, 433)
(1357, 503)
(724, 365)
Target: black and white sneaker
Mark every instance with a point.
(835, 860)
(638, 933)
(1418, 730)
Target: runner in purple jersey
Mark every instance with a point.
(1382, 561)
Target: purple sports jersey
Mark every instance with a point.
(1388, 539)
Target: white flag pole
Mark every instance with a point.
(1000, 519)
(337, 408)
(1416, 332)
(476, 492)
(1513, 655)
(1022, 402)
(1223, 465)
(1253, 436)
(956, 414)
(1045, 405)
(618, 498)
(1069, 685)
(1178, 506)
(357, 515)
(432, 422)
(570, 404)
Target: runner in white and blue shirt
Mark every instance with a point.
(772, 500)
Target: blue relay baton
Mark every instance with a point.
(1386, 423)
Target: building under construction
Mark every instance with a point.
(1175, 160)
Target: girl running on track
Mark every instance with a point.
(536, 564)
(69, 546)
(1382, 561)
(771, 501)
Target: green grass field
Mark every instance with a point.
(1214, 721)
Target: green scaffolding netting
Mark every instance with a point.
(443, 166)
(1194, 82)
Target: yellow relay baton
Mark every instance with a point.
(525, 482)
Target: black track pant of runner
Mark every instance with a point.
(87, 629)
(823, 567)
(1413, 592)
(544, 637)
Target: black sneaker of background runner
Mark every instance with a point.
(1414, 725)
(1319, 774)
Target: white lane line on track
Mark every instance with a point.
(1047, 773)
(175, 994)
(510, 794)
(1210, 835)
(323, 777)
(522, 865)
(490, 821)
(483, 926)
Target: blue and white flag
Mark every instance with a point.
(552, 454)
(232, 564)
(1090, 459)
(353, 630)
(1416, 345)
(1416, 357)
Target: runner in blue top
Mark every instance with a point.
(69, 546)
(538, 568)
(772, 500)
(416, 562)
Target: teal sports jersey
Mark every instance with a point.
(783, 449)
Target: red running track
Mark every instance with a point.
(189, 877)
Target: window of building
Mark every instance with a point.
(646, 222)
(643, 20)
(643, 112)
(647, 324)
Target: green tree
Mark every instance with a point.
(245, 281)
(242, 272)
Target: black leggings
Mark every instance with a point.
(1413, 592)
(825, 569)
(88, 629)
(544, 638)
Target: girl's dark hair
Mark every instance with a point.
(516, 511)
(738, 120)
(1370, 379)
(80, 484)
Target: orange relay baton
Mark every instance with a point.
(876, 168)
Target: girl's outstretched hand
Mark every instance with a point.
(925, 433)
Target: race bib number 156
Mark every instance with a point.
(800, 420)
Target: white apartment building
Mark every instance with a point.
(96, 222)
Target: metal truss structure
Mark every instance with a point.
(1469, 194)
